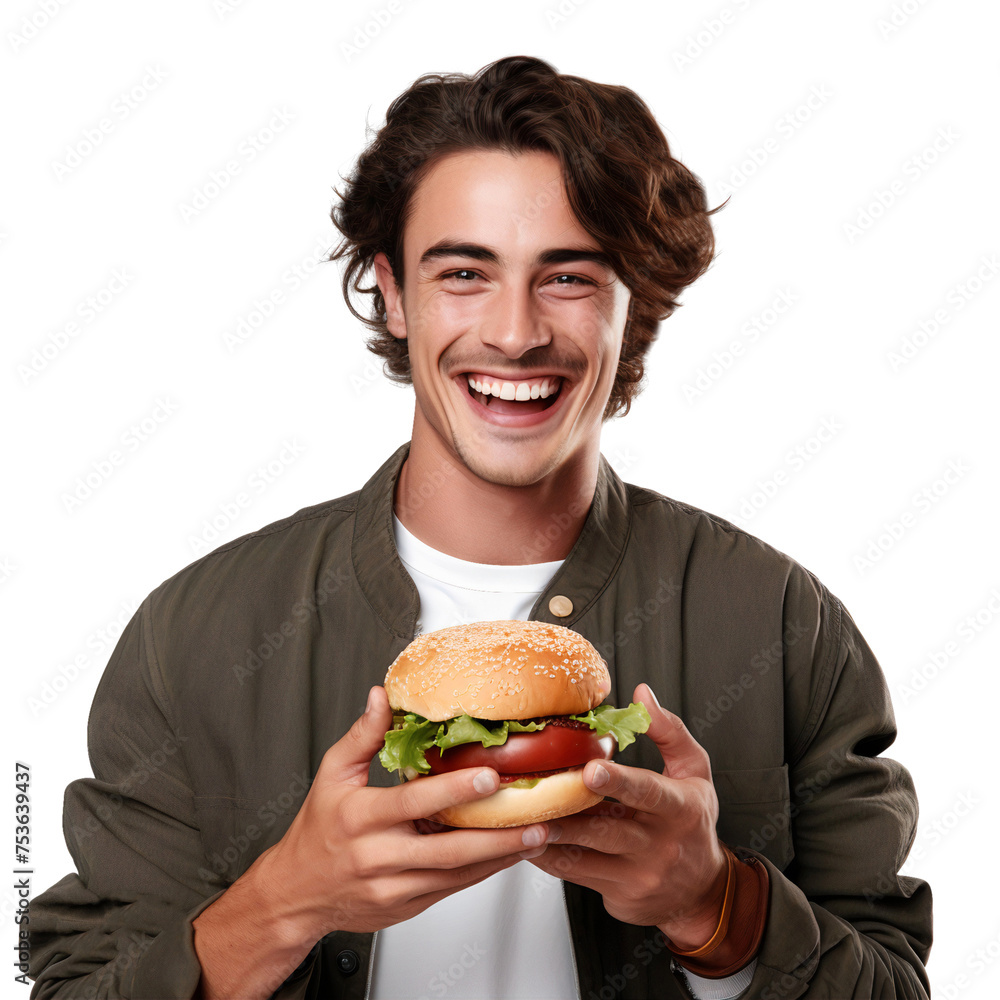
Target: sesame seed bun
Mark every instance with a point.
(504, 669)
(561, 794)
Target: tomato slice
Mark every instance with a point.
(548, 749)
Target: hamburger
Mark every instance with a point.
(522, 697)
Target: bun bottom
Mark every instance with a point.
(556, 795)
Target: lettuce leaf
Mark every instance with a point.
(622, 723)
(406, 742)
(412, 734)
(466, 729)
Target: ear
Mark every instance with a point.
(393, 296)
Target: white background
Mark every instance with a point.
(887, 81)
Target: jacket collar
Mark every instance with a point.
(393, 597)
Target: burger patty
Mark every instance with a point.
(507, 778)
(558, 720)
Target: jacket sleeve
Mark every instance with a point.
(842, 921)
(121, 925)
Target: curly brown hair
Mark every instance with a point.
(646, 210)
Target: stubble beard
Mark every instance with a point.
(523, 474)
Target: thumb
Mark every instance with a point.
(683, 756)
(349, 758)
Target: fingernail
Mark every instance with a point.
(599, 777)
(371, 701)
(656, 701)
(555, 832)
(484, 782)
(533, 837)
(528, 855)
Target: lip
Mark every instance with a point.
(513, 419)
(516, 377)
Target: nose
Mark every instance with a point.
(514, 325)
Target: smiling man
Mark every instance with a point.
(513, 332)
(527, 233)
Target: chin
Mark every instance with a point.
(524, 466)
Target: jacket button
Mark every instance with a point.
(561, 606)
(347, 962)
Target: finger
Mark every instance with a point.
(600, 872)
(643, 790)
(682, 754)
(458, 849)
(607, 807)
(423, 797)
(448, 886)
(600, 833)
(349, 759)
(427, 796)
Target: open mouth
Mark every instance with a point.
(524, 397)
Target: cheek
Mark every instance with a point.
(600, 324)
(446, 312)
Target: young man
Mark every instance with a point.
(527, 232)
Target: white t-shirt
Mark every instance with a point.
(509, 935)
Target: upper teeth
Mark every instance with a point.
(536, 388)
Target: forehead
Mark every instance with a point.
(514, 200)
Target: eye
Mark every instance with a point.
(576, 279)
(455, 274)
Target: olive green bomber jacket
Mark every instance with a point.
(237, 673)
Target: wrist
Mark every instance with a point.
(271, 887)
(249, 940)
(741, 927)
(694, 928)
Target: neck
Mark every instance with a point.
(447, 506)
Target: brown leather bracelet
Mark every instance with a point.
(723, 926)
(746, 920)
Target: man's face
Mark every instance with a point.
(506, 294)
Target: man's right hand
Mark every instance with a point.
(353, 859)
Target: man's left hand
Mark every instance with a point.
(654, 854)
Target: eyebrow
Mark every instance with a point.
(559, 255)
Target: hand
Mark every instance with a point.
(653, 855)
(356, 858)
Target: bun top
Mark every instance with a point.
(505, 669)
